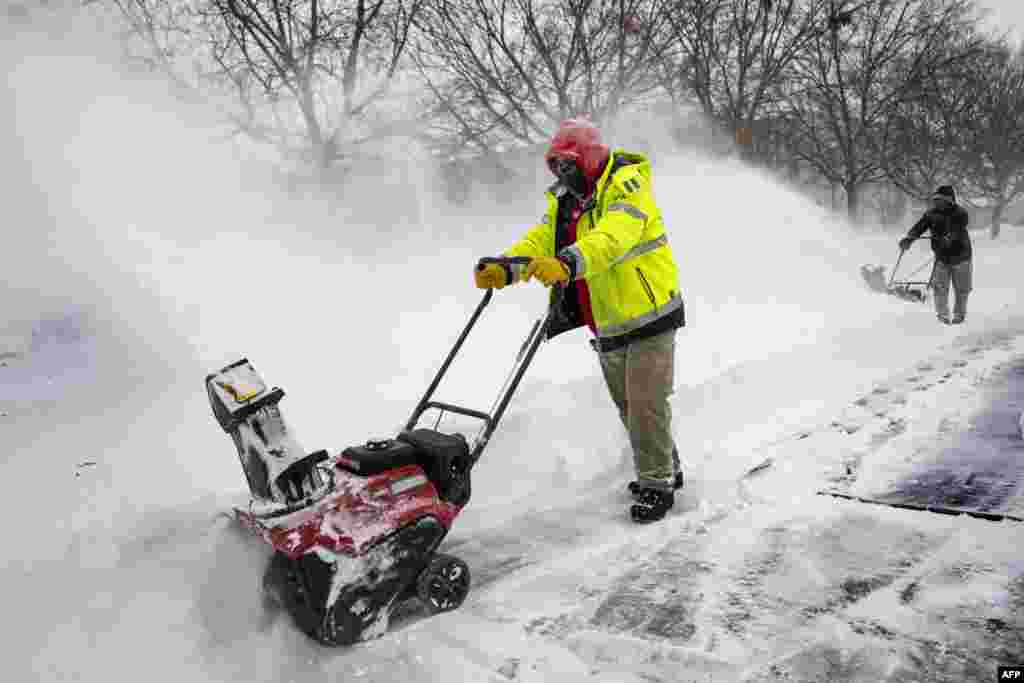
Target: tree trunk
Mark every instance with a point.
(852, 201)
(744, 138)
(793, 169)
(997, 218)
(895, 206)
(321, 149)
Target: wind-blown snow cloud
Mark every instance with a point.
(180, 253)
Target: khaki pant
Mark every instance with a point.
(960, 276)
(640, 379)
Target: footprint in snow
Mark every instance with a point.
(849, 429)
(510, 669)
(909, 592)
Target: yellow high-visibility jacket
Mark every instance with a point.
(621, 250)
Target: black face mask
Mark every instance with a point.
(570, 175)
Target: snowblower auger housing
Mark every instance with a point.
(909, 290)
(356, 534)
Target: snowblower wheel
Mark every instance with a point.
(281, 584)
(444, 584)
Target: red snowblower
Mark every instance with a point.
(356, 534)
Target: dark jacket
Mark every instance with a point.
(950, 239)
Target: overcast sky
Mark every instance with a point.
(1007, 15)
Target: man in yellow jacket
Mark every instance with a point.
(603, 240)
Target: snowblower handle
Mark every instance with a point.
(894, 269)
(559, 288)
(538, 334)
(503, 261)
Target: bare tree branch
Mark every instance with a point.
(513, 68)
(309, 76)
(858, 71)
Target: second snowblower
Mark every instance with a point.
(908, 289)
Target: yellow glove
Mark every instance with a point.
(493, 276)
(548, 270)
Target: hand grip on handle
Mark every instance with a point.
(503, 260)
(559, 288)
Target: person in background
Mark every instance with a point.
(603, 240)
(947, 222)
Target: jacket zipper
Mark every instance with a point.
(647, 287)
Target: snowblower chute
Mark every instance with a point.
(356, 534)
(277, 468)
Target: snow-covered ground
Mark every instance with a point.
(139, 255)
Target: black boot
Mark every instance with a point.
(634, 486)
(651, 505)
